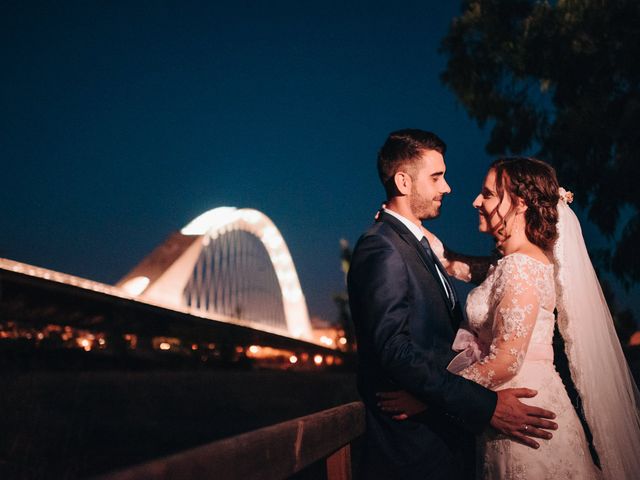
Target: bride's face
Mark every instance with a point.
(492, 210)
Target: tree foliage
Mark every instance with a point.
(562, 78)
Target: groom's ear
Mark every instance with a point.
(402, 181)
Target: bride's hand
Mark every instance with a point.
(380, 210)
(400, 404)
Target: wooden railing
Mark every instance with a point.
(274, 452)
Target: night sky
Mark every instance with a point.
(122, 121)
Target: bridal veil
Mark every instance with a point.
(598, 367)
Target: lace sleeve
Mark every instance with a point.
(515, 309)
(467, 268)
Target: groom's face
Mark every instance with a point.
(428, 185)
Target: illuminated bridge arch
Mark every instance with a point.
(229, 264)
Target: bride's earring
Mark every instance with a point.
(516, 224)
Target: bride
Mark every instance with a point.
(508, 339)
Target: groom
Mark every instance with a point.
(406, 314)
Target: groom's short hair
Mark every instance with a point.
(401, 151)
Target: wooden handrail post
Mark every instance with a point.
(339, 464)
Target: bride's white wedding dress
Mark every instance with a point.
(511, 313)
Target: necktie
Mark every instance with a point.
(443, 275)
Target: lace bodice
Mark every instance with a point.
(512, 314)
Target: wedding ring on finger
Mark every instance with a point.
(525, 427)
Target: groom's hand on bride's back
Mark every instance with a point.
(400, 404)
(519, 420)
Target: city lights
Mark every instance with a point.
(85, 343)
(326, 340)
(86, 326)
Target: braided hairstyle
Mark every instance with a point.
(535, 182)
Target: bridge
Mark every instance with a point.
(228, 263)
(221, 290)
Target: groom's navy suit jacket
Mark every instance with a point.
(405, 327)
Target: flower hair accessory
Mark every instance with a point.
(565, 196)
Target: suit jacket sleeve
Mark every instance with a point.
(379, 292)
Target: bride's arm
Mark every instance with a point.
(513, 322)
(467, 268)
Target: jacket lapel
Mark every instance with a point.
(410, 239)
